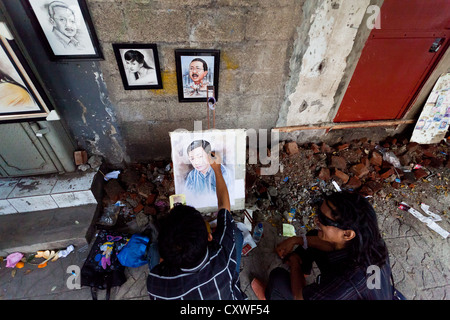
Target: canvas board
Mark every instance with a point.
(194, 178)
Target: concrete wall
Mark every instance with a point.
(325, 55)
(283, 62)
(255, 39)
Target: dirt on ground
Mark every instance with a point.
(387, 173)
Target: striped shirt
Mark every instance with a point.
(215, 278)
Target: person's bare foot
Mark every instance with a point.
(259, 289)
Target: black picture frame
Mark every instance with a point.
(129, 55)
(22, 98)
(77, 39)
(187, 90)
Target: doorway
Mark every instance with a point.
(397, 60)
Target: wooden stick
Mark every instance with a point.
(346, 125)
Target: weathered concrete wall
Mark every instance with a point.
(255, 39)
(283, 62)
(320, 60)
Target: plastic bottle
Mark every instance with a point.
(257, 233)
(389, 156)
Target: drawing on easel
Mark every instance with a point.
(193, 174)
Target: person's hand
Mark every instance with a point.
(285, 247)
(214, 160)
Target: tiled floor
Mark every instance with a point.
(29, 194)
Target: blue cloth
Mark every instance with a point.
(134, 254)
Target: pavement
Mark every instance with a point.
(419, 258)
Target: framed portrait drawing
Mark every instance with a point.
(196, 70)
(21, 96)
(65, 27)
(193, 175)
(138, 65)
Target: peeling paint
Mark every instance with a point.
(330, 39)
(83, 115)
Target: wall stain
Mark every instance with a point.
(169, 81)
(229, 63)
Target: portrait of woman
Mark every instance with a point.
(138, 66)
(139, 72)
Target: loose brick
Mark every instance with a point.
(138, 208)
(80, 157)
(420, 173)
(291, 148)
(376, 159)
(315, 148)
(359, 170)
(341, 175)
(354, 183)
(324, 174)
(387, 173)
(338, 163)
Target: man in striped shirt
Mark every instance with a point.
(197, 264)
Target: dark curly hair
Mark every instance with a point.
(354, 212)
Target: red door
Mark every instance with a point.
(396, 60)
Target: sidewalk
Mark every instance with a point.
(419, 258)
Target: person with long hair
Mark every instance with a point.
(348, 249)
(139, 72)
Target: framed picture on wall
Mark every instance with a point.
(21, 96)
(196, 70)
(138, 65)
(65, 27)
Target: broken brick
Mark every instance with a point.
(343, 146)
(151, 199)
(374, 186)
(366, 191)
(80, 157)
(359, 170)
(420, 173)
(387, 174)
(354, 183)
(341, 175)
(291, 148)
(138, 208)
(324, 174)
(338, 163)
(376, 159)
(315, 148)
(412, 146)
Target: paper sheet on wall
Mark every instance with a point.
(433, 122)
